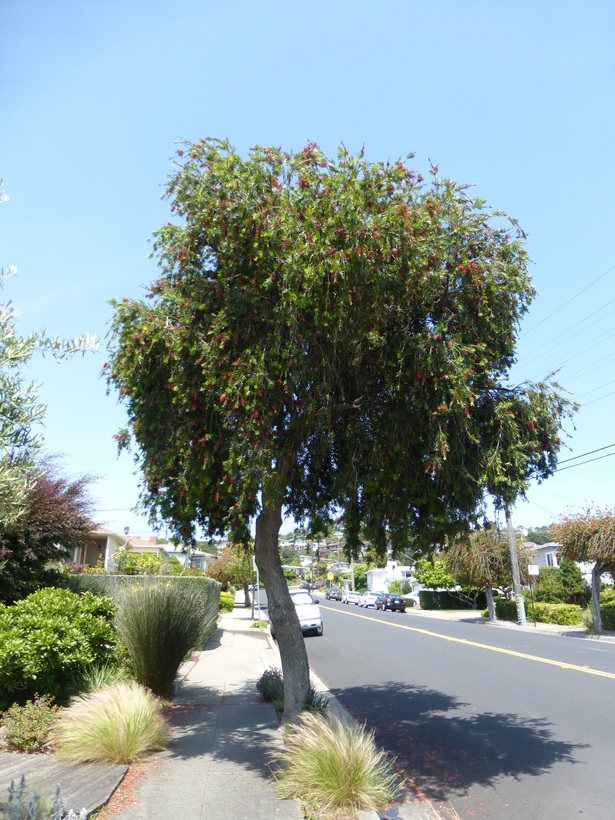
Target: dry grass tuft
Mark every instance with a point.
(334, 765)
(116, 724)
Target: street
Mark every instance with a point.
(494, 722)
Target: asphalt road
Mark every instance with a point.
(493, 722)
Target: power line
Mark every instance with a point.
(588, 392)
(589, 453)
(608, 455)
(576, 296)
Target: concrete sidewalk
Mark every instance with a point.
(216, 765)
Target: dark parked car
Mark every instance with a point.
(334, 594)
(305, 585)
(390, 600)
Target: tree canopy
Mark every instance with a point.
(55, 518)
(589, 536)
(327, 335)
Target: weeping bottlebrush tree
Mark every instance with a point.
(325, 335)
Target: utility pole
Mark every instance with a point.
(517, 591)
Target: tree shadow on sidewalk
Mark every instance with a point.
(446, 748)
(237, 728)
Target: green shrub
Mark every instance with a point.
(562, 614)
(561, 585)
(160, 621)
(116, 724)
(607, 610)
(26, 727)
(48, 639)
(270, 685)
(444, 599)
(227, 602)
(331, 765)
(506, 610)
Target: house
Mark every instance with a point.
(109, 545)
(101, 542)
(545, 555)
(378, 580)
(190, 558)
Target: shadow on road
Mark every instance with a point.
(444, 747)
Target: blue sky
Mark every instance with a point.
(513, 97)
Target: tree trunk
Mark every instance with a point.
(596, 614)
(514, 561)
(282, 613)
(490, 603)
(246, 595)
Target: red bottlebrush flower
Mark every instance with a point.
(255, 414)
(530, 426)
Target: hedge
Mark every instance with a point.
(562, 614)
(443, 599)
(608, 615)
(108, 584)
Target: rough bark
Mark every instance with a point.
(597, 571)
(282, 614)
(246, 595)
(490, 603)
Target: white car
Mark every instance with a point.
(368, 599)
(308, 612)
(351, 598)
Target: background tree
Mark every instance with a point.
(433, 574)
(55, 519)
(324, 335)
(561, 585)
(524, 441)
(234, 568)
(539, 536)
(589, 536)
(360, 578)
(481, 560)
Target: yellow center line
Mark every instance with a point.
(588, 670)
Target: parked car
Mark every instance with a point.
(413, 599)
(333, 594)
(351, 598)
(308, 612)
(392, 601)
(305, 585)
(368, 599)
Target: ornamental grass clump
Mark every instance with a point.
(159, 623)
(116, 724)
(332, 764)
